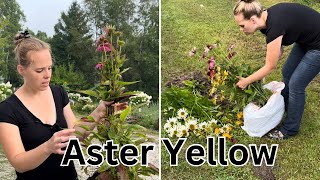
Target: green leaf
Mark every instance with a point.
(106, 83)
(111, 133)
(136, 127)
(103, 167)
(248, 91)
(85, 127)
(219, 114)
(89, 93)
(123, 83)
(98, 136)
(90, 119)
(125, 113)
(125, 70)
(78, 133)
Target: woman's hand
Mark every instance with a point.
(242, 83)
(58, 141)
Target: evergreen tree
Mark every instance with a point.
(72, 42)
(119, 13)
(144, 49)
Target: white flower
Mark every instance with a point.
(192, 124)
(9, 91)
(182, 113)
(88, 107)
(167, 126)
(140, 98)
(183, 131)
(173, 131)
(203, 125)
(172, 121)
(225, 128)
(213, 121)
(8, 85)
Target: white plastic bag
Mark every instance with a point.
(258, 121)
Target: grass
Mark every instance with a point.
(189, 23)
(149, 116)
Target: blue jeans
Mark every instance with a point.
(297, 72)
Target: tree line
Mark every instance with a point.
(73, 43)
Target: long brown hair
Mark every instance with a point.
(24, 44)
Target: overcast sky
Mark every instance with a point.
(43, 14)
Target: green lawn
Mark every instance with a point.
(189, 23)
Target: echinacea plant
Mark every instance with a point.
(114, 126)
(215, 97)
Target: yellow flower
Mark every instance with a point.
(214, 100)
(215, 83)
(240, 115)
(217, 77)
(239, 123)
(217, 131)
(212, 91)
(227, 135)
(222, 97)
(225, 73)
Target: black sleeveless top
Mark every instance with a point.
(297, 23)
(33, 133)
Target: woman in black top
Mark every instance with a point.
(36, 122)
(284, 24)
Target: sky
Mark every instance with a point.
(43, 14)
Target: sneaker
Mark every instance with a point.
(276, 134)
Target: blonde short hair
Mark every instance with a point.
(248, 8)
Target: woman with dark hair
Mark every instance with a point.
(284, 24)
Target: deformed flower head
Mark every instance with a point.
(104, 47)
(205, 52)
(211, 63)
(99, 66)
(211, 73)
(193, 52)
(231, 54)
(121, 43)
(118, 33)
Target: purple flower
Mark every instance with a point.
(211, 63)
(105, 47)
(211, 73)
(99, 66)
